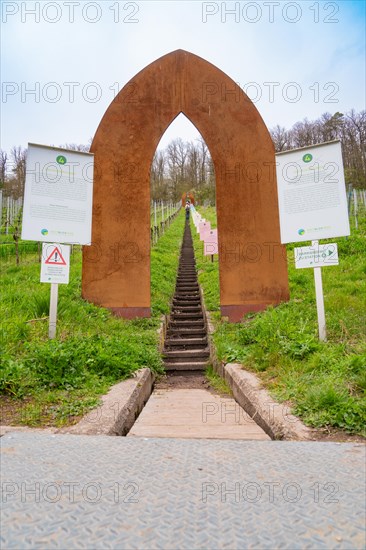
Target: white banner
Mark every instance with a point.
(311, 193)
(58, 195)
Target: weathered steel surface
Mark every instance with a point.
(116, 270)
(71, 491)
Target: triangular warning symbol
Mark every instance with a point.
(55, 258)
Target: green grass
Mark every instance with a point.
(54, 380)
(217, 383)
(324, 382)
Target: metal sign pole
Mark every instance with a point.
(355, 207)
(319, 299)
(53, 311)
(155, 232)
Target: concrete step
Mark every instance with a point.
(187, 316)
(182, 366)
(186, 303)
(186, 289)
(192, 332)
(186, 355)
(185, 342)
(187, 298)
(183, 322)
(187, 308)
(190, 297)
(196, 300)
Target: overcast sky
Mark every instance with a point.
(63, 61)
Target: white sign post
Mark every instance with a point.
(53, 311)
(319, 296)
(58, 198)
(318, 256)
(313, 205)
(55, 269)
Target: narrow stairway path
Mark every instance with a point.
(183, 405)
(186, 345)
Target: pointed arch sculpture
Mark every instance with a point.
(252, 262)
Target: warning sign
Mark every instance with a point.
(55, 258)
(55, 265)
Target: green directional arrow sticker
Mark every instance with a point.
(307, 158)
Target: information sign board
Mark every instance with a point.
(58, 195)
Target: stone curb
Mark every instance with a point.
(273, 417)
(4, 429)
(119, 409)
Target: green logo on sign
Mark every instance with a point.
(307, 158)
(61, 159)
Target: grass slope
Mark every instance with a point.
(52, 381)
(324, 382)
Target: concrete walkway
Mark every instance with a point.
(194, 413)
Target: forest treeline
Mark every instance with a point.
(187, 165)
(350, 128)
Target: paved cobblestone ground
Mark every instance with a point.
(69, 491)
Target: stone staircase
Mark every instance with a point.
(186, 345)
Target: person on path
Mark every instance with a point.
(188, 206)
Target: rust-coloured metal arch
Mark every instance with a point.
(116, 268)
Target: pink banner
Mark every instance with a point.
(211, 243)
(203, 228)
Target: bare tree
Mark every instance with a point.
(183, 167)
(16, 183)
(350, 129)
(280, 138)
(159, 187)
(77, 146)
(204, 156)
(3, 167)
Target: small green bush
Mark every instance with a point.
(15, 377)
